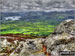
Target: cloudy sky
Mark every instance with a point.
(36, 5)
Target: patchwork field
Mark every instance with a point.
(33, 23)
(21, 27)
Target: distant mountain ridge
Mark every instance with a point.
(33, 22)
(38, 15)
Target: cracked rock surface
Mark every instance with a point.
(62, 39)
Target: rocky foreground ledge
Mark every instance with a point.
(62, 39)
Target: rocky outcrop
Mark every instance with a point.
(62, 39)
(67, 26)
